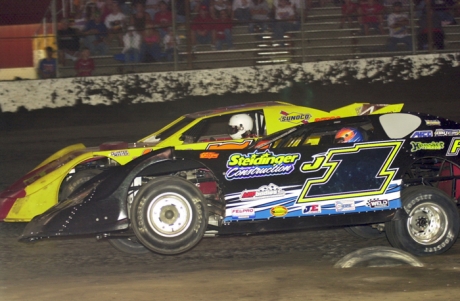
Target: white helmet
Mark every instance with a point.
(239, 125)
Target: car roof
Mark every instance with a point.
(237, 108)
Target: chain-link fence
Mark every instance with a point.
(97, 37)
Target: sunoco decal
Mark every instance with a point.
(416, 146)
(293, 117)
(279, 211)
(446, 132)
(257, 164)
(265, 191)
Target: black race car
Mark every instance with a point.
(395, 173)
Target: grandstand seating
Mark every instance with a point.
(319, 39)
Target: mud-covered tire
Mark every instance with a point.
(365, 232)
(129, 245)
(431, 225)
(169, 215)
(74, 182)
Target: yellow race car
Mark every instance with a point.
(224, 128)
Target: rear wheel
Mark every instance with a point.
(169, 215)
(74, 182)
(431, 225)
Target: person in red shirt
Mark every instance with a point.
(371, 16)
(223, 30)
(349, 13)
(163, 18)
(203, 28)
(84, 66)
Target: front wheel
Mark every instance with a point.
(169, 215)
(73, 183)
(431, 225)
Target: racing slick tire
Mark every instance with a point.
(73, 183)
(431, 225)
(129, 245)
(365, 232)
(169, 215)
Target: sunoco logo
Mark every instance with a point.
(262, 192)
(376, 203)
(294, 117)
(257, 164)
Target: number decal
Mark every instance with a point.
(348, 172)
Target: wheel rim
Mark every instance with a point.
(169, 214)
(427, 223)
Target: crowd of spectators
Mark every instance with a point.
(142, 28)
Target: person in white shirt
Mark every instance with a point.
(397, 23)
(241, 10)
(115, 21)
(132, 45)
(285, 19)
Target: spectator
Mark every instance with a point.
(140, 18)
(132, 45)
(84, 66)
(349, 13)
(115, 22)
(259, 13)
(241, 10)
(163, 18)
(285, 19)
(151, 47)
(47, 66)
(202, 28)
(68, 42)
(95, 35)
(370, 16)
(442, 9)
(223, 30)
(436, 27)
(171, 44)
(152, 7)
(397, 23)
(216, 6)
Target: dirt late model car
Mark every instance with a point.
(56, 177)
(394, 173)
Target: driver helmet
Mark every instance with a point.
(348, 135)
(240, 126)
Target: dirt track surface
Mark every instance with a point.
(285, 266)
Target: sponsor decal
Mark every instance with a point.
(262, 192)
(120, 153)
(376, 203)
(446, 132)
(244, 213)
(416, 146)
(422, 134)
(294, 117)
(454, 147)
(146, 151)
(228, 145)
(312, 209)
(433, 122)
(341, 206)
(264, 164)
(209, 155)
(279, 211)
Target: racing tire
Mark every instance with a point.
(128, 245)
(431, 225)
(365, 232)
(74, 182)
(169, 215)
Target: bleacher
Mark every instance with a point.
(319, 39)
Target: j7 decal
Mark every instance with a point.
(454, 147)
(350, 172)
(265, 164)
